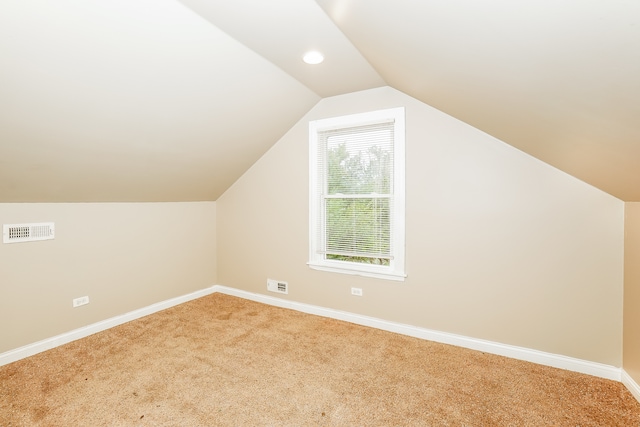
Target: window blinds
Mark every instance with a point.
(356, 191)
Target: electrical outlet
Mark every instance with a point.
(80, 301)
(356, 291)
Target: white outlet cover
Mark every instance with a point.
(77, 302)
(356, 291)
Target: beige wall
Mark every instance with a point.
(123, 256)
(632, 291)
(500, 246)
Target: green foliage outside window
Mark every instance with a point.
(357, 206)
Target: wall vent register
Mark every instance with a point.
(277, 286)
(15, 233)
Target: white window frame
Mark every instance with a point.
(317, 260)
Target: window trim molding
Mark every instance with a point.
(395, 271)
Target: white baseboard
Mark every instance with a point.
(633, 386)
(514, 352)
(535, 356)
(49, 343)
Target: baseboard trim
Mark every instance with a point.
(514, 352)
(633, 386)
(67, 337)
(535, 356)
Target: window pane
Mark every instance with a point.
(358, 229)
(360, 162)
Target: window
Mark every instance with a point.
(356, 222)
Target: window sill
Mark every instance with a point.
(366, 271)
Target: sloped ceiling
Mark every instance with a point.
(160, 100)
(131, 100)
(559, 80)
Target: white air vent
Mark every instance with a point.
(277, 286)
(14, 233)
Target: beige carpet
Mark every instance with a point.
(225, 361)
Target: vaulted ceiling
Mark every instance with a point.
(166, 100)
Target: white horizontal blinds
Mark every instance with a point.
(357, 192)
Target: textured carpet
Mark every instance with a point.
(225, 361)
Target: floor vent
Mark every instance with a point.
(15, 233)
(277, 286)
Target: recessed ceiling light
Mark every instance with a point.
(313, 57)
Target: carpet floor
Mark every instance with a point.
(225, 361)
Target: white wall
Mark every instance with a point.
(500, 246)
(124, 256)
